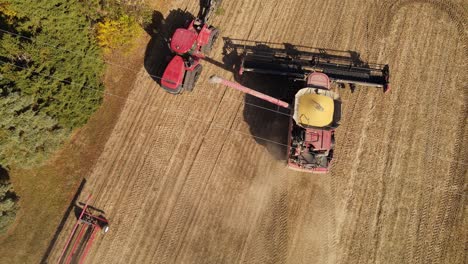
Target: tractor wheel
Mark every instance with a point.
(191, 78)
(213, 37)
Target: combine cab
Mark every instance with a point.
(190, 45)
(316, 110)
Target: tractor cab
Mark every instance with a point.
(184, 42)
(190, 41)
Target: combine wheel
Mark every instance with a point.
(191, 78)
(213, 37)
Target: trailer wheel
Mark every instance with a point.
(192, 77)
(105, 228)
(213, 37)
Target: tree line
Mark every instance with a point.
(50, 75)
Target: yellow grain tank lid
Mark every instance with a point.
(314, 107)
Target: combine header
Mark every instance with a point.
(297, 62)
(190, 45)
(82, 235)
(316, 110)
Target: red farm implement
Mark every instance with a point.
(190, 45)
(83, 234)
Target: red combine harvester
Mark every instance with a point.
(316, 109)
(190, 45)
(82, 235)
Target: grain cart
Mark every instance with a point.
(316, 110)
(189, 46)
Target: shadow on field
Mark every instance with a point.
(62, 222)
(158, 54)
(268, 123)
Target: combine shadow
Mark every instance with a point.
(158, 54)
(268, 123)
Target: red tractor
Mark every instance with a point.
(190, 45)
(316, 110)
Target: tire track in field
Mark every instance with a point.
(139, 189)
(180, 210)
(456, 13)
(124, 199)
(405, 128)
(170, 171)
(139, 136)
(409, 107)
(216, 218)
(162, 146)
(204, 188)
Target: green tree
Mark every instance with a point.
(50, 82)
(26, 135)
(8, 202)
